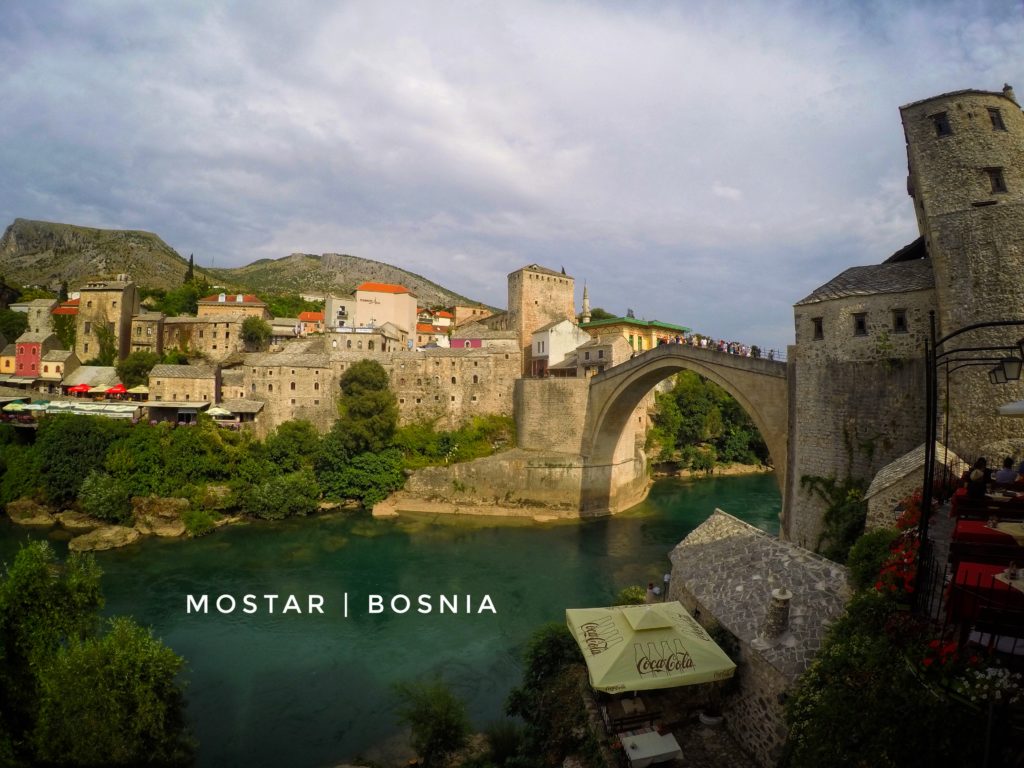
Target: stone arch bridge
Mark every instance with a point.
(610, 477)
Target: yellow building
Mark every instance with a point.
(640, 334)
(7, 360)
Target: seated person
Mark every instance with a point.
(977, 480)
(1007, 475)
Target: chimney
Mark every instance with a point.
(1008, 92)
(776, 620)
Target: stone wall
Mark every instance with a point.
(450, 386)
(198, 388)
(551, 413)
(858, 400)
(216, 337)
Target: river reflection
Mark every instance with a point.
(307, 690)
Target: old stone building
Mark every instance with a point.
(536, 296)
(105, 307)
(39, 315)
(217, 337)
(148, 333)
(244, 304)
(193, 384)
(857, 371)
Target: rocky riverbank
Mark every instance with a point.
(671, 469)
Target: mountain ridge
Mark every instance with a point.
(45, 253)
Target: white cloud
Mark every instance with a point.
(674, 155)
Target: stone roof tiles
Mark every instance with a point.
(731, 568)
(907, 464)
(897, 277)
(167, 371)
(282, 359)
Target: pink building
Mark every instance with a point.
(29, 351)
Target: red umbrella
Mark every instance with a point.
(79, 388)
(117, 389)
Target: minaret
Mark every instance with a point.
(585, 317)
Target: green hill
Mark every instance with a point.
(44, 253)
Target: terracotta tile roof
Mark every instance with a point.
(382, 288)
(428, 328)
(443, 313)
(311, 317)
(65, 311)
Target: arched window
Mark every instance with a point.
(316, 385)
(476, 379)
(467, 344)
(46, 369)
(453, 379)
(348, 344)
(369, 346)
(293, 386)
(270, 387)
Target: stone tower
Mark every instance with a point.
(105, 304)
(965, 152)
(538, 296)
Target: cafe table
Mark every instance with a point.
(1006, 533)
(976, 586)
(648, 747)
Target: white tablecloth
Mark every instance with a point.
(643, 749)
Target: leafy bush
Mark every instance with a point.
(634, 595)
(283, 496)
(106, 497)
(368, 477)
(436, 717)
(198, 522)
(845, 513)
(867, 556)
(22, 469)
(504, 740)
(422, 445)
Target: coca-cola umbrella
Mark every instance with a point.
(78, 388)
(117, 389)
(646, 647)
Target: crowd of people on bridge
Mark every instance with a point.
(721, 345)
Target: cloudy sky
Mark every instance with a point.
(703, 163)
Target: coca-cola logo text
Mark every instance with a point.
(675, 662)
(595, 643)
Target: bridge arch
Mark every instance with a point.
(759, 386)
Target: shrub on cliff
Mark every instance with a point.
(436, 717)
(105, 497)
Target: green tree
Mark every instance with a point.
(113, 700)
(368, 409)
(68, 446)
(255, 333)
(367, 477)
(293, 445)
(282, 496)
(135, 368)
(12, 324)
(106, 497)
(290, 305)
(43, 606)
(597, 313)
(548, 700)
(190, 273)
(108, 346)
(436, 717)
(64, 327)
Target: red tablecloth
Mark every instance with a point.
(975, 586)
(978, 532)
(960, 504)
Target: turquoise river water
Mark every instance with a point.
(311, 690)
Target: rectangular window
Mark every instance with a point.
(88, 327)
(600, 354)
(997, 119)
(586, 355)
(996, 179)
(860, 324)
(941, 123)
(899, 321)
